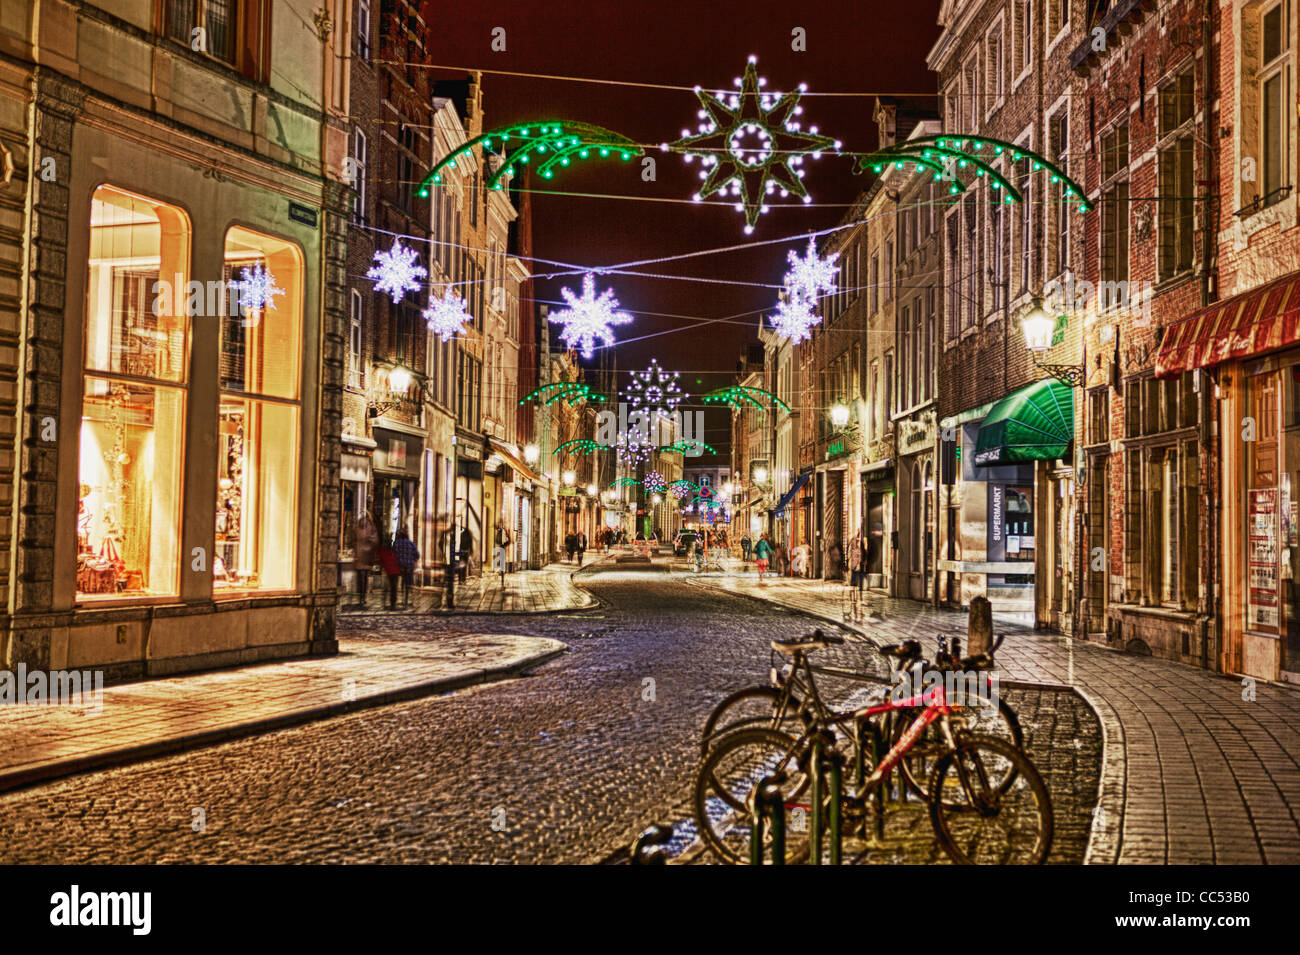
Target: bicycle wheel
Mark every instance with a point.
(977, 822)
(1000, 722)
(725, 788)
(751, 708)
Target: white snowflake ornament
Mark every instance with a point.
(446, 316)
(794, 319)
(811, 277)
(397, 271)
(589, 317)
(257, 289)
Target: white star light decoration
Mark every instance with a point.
(750, 144)
(588, 319)
(446, 317)
(397, 271)
(809, 278)
(257, 289)
(655, 391)
(654, 482)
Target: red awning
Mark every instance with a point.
(1261, 320)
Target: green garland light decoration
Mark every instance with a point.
(625, 482)
(899, 158)
(562, 391)
(687, 446)
(751, 144)
(740, 395)
(566, 140)
(584, 445)
(921, 148)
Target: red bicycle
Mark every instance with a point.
(987, 802)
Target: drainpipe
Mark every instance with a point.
(1209, 501)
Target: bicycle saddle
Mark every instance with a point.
(813, 641)
(907, 650)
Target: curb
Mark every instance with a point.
(57, 769)
(1105, 832)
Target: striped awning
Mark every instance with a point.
(1251, 323)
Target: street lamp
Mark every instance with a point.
(532, 453)
(657, 499)
(569, 478)
(591, 490)
(1039, 328)
(839, 414)
(760, 474)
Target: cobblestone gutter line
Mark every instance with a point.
(112, 746)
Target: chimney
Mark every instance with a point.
(886, 126)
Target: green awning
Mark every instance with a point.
(1035, 423)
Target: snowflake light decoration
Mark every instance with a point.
(397, 271)
(633, 446)
(794, 319)
(750, 144)
(653, 482)
(682, 489)
(257, 289)
(589, 317)
(446, 316)
(811, 277)
(655, 391)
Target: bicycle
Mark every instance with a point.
(780, 704)
(975, 781)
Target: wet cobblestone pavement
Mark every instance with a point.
(563, 765)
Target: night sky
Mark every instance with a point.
(857, 47)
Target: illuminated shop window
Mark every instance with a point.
(259, 370)
(133, 411)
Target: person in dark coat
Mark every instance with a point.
(466, 548)
(570, 545)
(580, 542)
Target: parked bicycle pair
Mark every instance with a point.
(987, 802)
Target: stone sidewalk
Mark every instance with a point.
(1191, 772)
(138, 721)
(525, 591)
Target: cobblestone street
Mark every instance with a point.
(569, 762)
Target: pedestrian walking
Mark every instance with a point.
(466, 548)
(762, 552)
(781, 560)
(857, 562)
(570, 545)
(387, 558)
(834, 561)
(581, 544)
(407, 555)
(363, 556)
(746, 547)
(503, 545)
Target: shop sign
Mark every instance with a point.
(566, 491)
(397, 452)
(914, 434)
(997, 522)
(354, 467)
(304, 214)
(1261, 525)
(469, 451)
(835, 449)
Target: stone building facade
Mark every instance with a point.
(177, 333)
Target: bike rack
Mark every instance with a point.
(651, 846)
(826, 772)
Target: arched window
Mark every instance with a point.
(134, 386)
(259, 434)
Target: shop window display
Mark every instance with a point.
(260, 362)
(133, 411)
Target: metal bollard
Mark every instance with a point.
(650, 847)
(816, 768)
